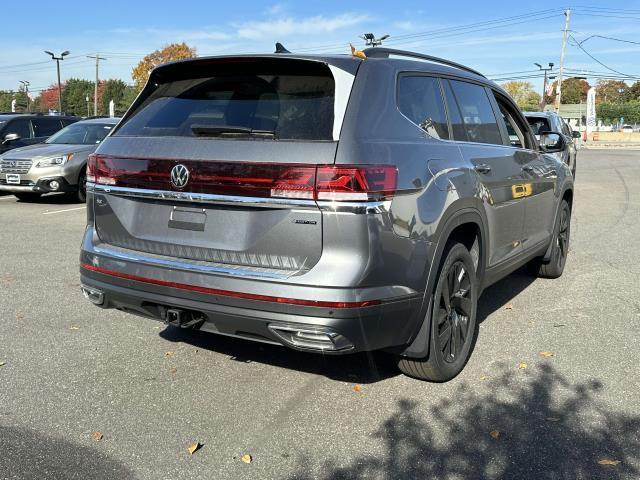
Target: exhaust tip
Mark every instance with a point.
(310, 338)
(92, 294)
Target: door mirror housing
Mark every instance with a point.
(576, 134)
(551, 142)
(10, 137)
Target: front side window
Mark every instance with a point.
(480, 123)
(516, 129)
(420, 100)
(20, 127)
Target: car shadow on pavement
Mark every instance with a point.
(52, 199)
(522, 424)
(30, 455)
(365, 368)
(362, 368)
(501, 293)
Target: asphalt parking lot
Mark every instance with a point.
(551, 390)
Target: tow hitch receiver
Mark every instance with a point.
(183, 318)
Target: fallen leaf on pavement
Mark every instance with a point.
(546, 354)
(484, 377)
(553, 419)
(357, 388)
(97, 436)
(509, 306)
(194, 448)
(2, 364)
(246, 458)
(608, 461)
(173, 370)
(169, 354)
(494, 434)
(522, 365)
(73, 327)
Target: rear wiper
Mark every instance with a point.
(229, 130)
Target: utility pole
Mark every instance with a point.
(95, 93)
(26, 84)
(57, 59)
(565, 34)
(544, 86)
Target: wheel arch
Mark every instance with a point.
(468, 225)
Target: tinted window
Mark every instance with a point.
(455, 117)
(516, 128)
(279, 106)
(45, 127)
(420, 100)
(477, 114)
(539, 124)
(19, 126)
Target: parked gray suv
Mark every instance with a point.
(332, 204)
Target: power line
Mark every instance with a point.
(579, 45)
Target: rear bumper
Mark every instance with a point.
(364, 328)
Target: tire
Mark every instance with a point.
(453, 320)
(27, 196)
(81, 194)
(559, 247)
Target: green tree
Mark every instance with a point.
(634, 91)
(6, 96)
(524, 95)
(74, 96)
(574, 90)
(612, 112)
(112, 90)
(612, 91)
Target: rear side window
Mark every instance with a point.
(45, 127)
(420, 100)
(457, 126)
(477, 114)
(297, 104)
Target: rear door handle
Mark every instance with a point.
(482, 168)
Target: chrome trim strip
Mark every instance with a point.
(200, 197)
(359, 208)
(188, 266)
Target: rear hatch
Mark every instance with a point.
(217, 162)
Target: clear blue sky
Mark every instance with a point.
(123, 31)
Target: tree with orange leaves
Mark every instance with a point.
(170, 53)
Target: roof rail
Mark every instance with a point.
(382, 52)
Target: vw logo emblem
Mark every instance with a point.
(179, 176)
(12, 163)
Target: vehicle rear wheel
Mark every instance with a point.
(27, 196)
(559, 247)
(453, 320)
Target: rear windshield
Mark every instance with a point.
(268, 105)
(539, 124)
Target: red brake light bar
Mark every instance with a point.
(227, 293)
(299, 181)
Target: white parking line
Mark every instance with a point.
(65, 210)
(10, 197)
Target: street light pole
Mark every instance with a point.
(544, 87)
(57, 59)
(26, 84)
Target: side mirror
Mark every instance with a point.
(551, 142)
(576, 134)
(10, 137)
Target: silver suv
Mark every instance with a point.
(331, 204)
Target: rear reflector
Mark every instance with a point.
(227, 293)
(269, 180)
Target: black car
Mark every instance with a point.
(541, 122)
(20, 130)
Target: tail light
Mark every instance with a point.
(293, 181)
